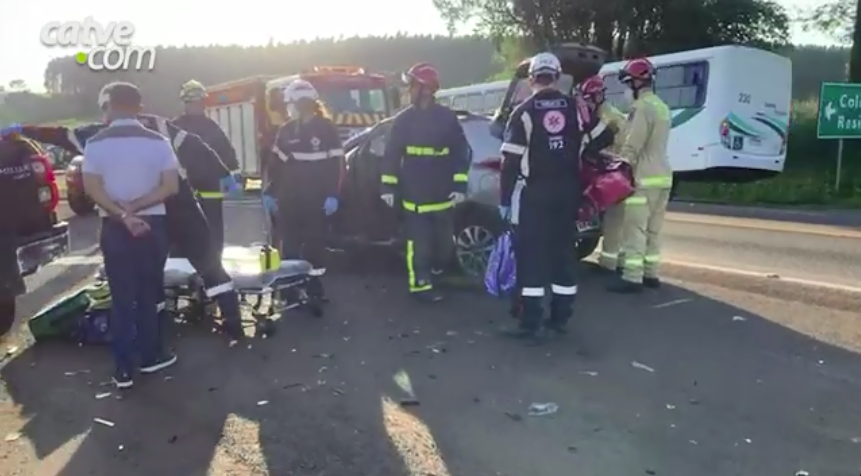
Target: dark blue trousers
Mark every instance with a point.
(135, 270)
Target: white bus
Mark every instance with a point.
(730, 105)
(731, 108)
(481, 99)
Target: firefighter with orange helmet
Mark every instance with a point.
(593, 90)
(645, 147)
(424, 170)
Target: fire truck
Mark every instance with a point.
(250, 110)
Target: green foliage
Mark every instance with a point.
(835, 18)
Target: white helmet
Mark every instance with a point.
(545, 63)
(299, 89)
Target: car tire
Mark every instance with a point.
(7, 315)
(586, 246)
(81, 205)
(475, 231)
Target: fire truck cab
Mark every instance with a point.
(250, 110)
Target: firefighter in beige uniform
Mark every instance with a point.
(592, 90)
(646, 149)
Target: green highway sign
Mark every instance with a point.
(839, 111)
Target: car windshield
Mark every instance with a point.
(339, 99)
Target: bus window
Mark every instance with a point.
(445, 101)
(492, 100)
(459, 103)
(683, 86)
(475, 103)
(615, 92)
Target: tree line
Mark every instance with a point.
(462, 60)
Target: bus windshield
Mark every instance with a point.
(353, 99)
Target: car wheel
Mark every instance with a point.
(81, 205)
(475, 234)
(7, 315)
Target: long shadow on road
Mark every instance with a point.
(666, 383)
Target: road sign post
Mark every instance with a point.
(839, 116)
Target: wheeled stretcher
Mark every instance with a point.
(264, 290)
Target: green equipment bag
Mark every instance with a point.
(62, 318)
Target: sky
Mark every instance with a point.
(194, 22)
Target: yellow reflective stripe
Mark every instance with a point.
(460, 177)
(390, 179)
(210, 194)
(428, 207)
(652, 258)
(411, 271)
(636, 201)
(656, 181)
(633, 263)
(425, 151)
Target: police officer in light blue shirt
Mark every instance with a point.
(129, 171)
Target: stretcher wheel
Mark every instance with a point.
(264, 328)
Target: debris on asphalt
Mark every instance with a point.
(590, 373)
(103, 395)
(856, 440)
(172, 439)
(438, 348)
(70, 374)
(671, 407)
(693, 442)
(738, 318)
(12, 437)
(102, 421)
(451, 333)
(262, 402)
(748, 440)
(672, 303)
(543, 409)
(432, 376)
(168, 378)
(802, 473)
(121, 447)
(693, 401)
(821, 362)
(337, 391)
(572, 449)
(409, 402)
(513, 416)
(323, 356)
(651, 471)
(322, 369)
(640, 366)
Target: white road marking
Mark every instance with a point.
(771, 276)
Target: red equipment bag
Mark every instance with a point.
(607, 180)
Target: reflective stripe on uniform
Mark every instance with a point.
(310, 156)
(633, 263)
(428, 207)
(656, 181)
(636, 201)
(513, 148)
(411, 271)
(460, 178)
(73, 138)
(564, 290)
(597, 130)
(161, 124)
(610, 255)
(390, 179)
(425, 151)
(532, 292)
(281, 155)
(338, 152)
(652, 259)
(210, 195)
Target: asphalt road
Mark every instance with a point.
(717, 373)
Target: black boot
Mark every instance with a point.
(561, 310)
(652, 283)
(231, 317)
(528, 330)
(625, 287)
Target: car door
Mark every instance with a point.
(377, 221)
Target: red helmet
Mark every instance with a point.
(591, 86)
(640, 68)
(424, 74)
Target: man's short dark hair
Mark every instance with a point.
(123, 95)
(545, 79)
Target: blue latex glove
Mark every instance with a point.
(505, 212)
(270, 204)
(230, 186)
(9, 130)
(330, 206)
